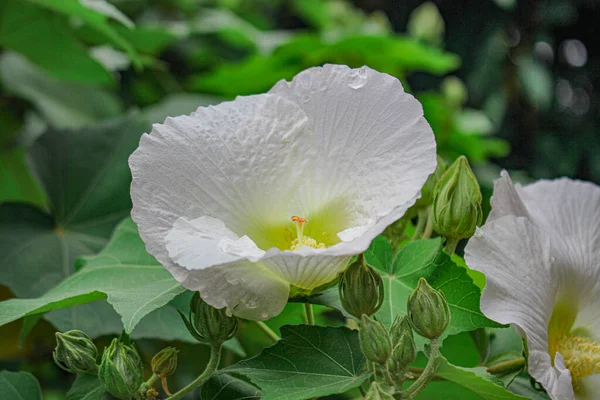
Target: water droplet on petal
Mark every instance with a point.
(358, 78)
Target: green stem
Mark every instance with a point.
(429, 226)
(213, 363)
(421, 383)
(363, 392)
(270, 333)
(507, 366)
(451, 244)
(310, 316)
(421, 220)
(153, 381)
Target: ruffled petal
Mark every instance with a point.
(248, 290)
(374, 146)
(521, 289)
(239, 161)
(506, 200)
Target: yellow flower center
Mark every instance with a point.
(581, 354)
(302, 240)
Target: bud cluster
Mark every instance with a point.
(361, 289)
(208, 324)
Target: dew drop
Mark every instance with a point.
(358, 78)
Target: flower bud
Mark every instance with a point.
(164, 363)
(428, 189)
(400, 327)
(457, 202)
(208, 324)
(428, 311)
(121, 370)
(404, 352)
(75, 353)
(375, 341)
(376, 392)
(361, 288)
(426, 23)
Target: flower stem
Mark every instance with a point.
(507, 366)
(419, 385)
(270, 333)
(421, 220)
(429, 226)
(451, 244)
(310, 316)
(213, 363)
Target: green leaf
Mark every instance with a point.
(131, 280)
(19, 386)
(46, 39)
(63, 105)
(16, 181)
(225, 386)
(86, 387)
(94, 17)
(309, 361)
(426, 259)
(476, 380)
(523, 386)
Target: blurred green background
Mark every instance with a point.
(508, 83)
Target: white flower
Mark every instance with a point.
(221, 196)
(540, 252)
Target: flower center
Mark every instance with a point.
(302, 240)
(581, 354)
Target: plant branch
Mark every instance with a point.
(451, 244)
(419, 385)
(213, 363)
(310, 316)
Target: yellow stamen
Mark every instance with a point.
(302, 240)
(581, 354)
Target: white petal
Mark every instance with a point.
(205, 241)
(239, 161)
(506, 200)
(247, 289)
(570, 212)
(374, 145)
(521, 287)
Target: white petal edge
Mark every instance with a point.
(521, 290)
(506, 200)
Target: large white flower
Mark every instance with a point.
(540, 251)
(244, 200)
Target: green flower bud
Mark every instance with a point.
(426, 23)
(457, 202)
(404, 352)
(428, 311)
(121, 370)
(428, 189)
(361, 288)
(75, 353)
(164, 363)
(400, 327)
(454, 91)
(376, 392)
(375, 341)
(208, 324)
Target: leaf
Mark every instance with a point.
(63, 105)
(16, 181)
(131, 280)
(309, 361)
(95, 19)
(86, 387)
(523, 386)
(46, 39)
(425, 259)
(476, 380)
(227, 387)
(19, 386)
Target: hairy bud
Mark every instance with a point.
(121, 370)
(208, 324)
(457, 202)
(164, 363)
(428, 311)
(375, 341)
(75, 353)
(361, 289)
